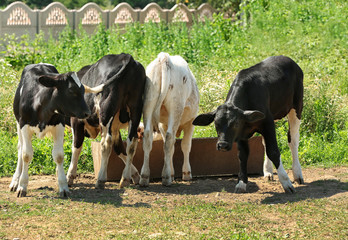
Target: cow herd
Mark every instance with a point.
(116, 92)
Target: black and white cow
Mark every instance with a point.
(259, 95)
(122, 81)
(170, 105)
(44, 98)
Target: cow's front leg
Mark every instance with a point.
(106, 148)
(186, 144)
(243, 154)
(15, 179)
(27, 157)
(58, 157)
(273, 154)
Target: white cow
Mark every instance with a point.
(171, 104)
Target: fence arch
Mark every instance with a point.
(20, 19)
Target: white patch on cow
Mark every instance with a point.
(21, 91)
(241, 187)
(284, 179)
(174, 110)
(267, 164)
(76, 79)
(294, 126)
(48, 64)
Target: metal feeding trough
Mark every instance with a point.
(205, 160)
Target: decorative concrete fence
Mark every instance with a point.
(19, 19)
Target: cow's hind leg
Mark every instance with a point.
(169, 141)
(17, 174)
(78, 136)
(267, 165)
(147, 147)
(273, 154)
(293, 141)
(58, 157)
(27, 157)
(186, 144)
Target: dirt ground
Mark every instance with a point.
(319, 183)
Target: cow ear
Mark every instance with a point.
(253, 116)
(204, 119)
(48, 81)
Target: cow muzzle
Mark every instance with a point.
(223, 146)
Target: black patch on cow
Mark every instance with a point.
(171, 86)
(124, 116)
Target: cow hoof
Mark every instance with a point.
(136, 178)
(100, 184)
(64, 194)
(268, 177)
(290, 189)
(124, 183)
(21, 193)
(240, 187)
(13, 187)
(299, 180)
(70, 180)
(144, 181)
(186, 176)
(166, 181)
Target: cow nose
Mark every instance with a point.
(223, 146)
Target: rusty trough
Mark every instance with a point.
(204, 158)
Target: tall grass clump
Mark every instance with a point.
(314, 33)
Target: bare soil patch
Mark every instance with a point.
(319, 183)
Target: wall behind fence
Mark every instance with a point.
(19, 19)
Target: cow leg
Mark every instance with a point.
(78, 137)
(267, 165)
(134, 170)
(169, 141)
(132, 143)
(106, 148)
(27, 157)
(58, 157)
(147, 147)
(273, 154)
(18, 172)
(243, 153)
(186, 144)
(293, 141)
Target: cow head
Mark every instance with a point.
(68, 95)
(230, 123)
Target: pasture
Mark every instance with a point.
(313, 33)
(205, 208)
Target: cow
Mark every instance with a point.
(43, 100)
(122, 81)
(170, 105)
(265, 92)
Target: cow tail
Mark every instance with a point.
(164, 64)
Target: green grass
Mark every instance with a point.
(189, 218)
(313, 33)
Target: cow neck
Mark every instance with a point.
(48, 106)
(236, 97)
